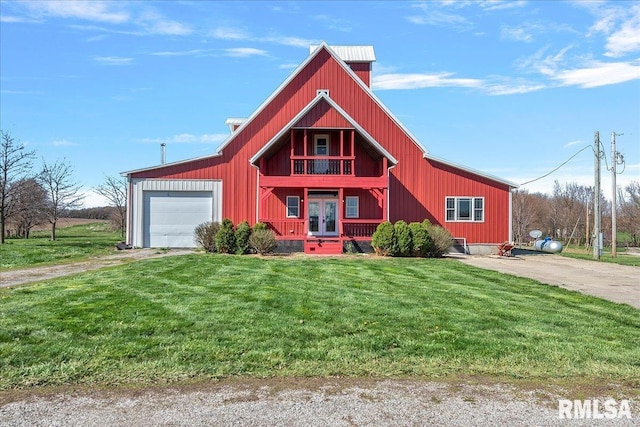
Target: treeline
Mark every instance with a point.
(567, 214)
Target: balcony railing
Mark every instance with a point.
(322, 165)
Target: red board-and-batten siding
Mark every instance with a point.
(417, 186)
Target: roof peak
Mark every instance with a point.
(360, 53)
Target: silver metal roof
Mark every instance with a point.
(351, 53)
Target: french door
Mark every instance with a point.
(323, 217)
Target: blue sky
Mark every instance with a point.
(511, 88)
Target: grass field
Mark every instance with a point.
(73, 243)
(622, 258)
(202, 316)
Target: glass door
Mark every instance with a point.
(323, 218)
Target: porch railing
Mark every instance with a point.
(290, 228)
(359, 227)
(322, 165)
(293, 228)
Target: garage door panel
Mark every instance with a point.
(171, 216)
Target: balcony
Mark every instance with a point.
(323, 165)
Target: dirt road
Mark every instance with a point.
(618, 283)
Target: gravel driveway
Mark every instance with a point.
(303, 402)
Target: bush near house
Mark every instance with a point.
(422, 243)
(404, 238)
(263, 241)
(415, 239)
(226, 238)
(243, 232)
(205, 235)
(384, 241)
(441, 239)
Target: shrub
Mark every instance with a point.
(384, 240)
(404, 238)
(205, 235)
(243, 232)
(441, 240)
(260, 226)
(422, 244)
(263, 241)
(226, 238)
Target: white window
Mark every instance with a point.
(464, 209)
(322, 92)
(352, 207)
(293, 206)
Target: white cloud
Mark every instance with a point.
(113, 60)
(101, 11)
(156, 24)
(230, 33)
(492, 86)
(598, 73)
(572, 143)
(63, 143)
(417, 81)
(179, 53)
(627, 38)
(243, 52)
(187, 138)
(520, 34)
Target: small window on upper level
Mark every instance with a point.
(322, 92)
(321, 145)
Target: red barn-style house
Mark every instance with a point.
(322, 162)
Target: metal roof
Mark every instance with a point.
(351, 53)
(235, 121)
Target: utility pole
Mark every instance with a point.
(596, 197)
(615, 158)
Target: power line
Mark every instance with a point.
(561, 165)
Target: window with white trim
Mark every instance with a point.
(321, 145)
(293, 206)
(464, 209)
(322, 92)
(352, 208)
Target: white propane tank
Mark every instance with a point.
(547, 245)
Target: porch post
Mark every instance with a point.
(340, 212)
(305, 202)
(304, 151)
(353, 151)
(292, 150)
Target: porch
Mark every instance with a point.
(298, 230)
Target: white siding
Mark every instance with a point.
(182, 205)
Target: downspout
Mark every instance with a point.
(389, 190)
(511, 190)
(129, 210)
(257, 191)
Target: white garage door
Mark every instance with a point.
(171, 216)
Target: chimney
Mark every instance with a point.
(163, 153)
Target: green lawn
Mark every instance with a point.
(71, 244)
(622, 258)
(201, 316)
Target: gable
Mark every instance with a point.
(322, 115)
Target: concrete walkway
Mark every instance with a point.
(614, 282)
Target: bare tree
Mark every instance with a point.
(629, 214)
(63, 192)
(115, 190)
(15, 163)
(30, 206)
